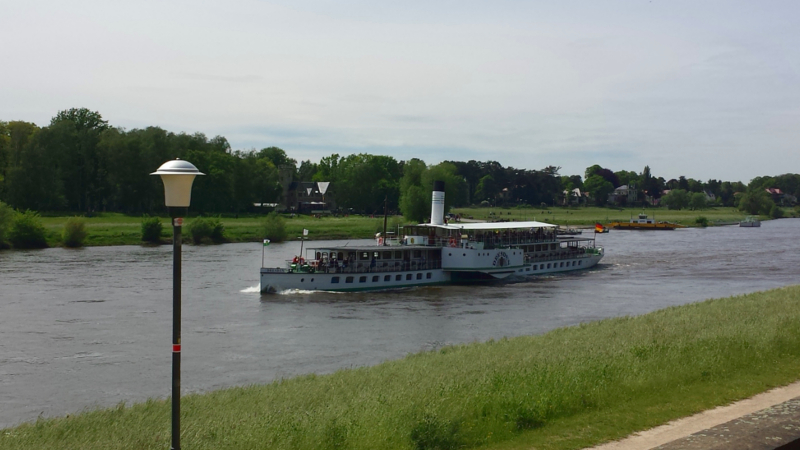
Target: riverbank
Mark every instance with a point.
(119, 229)
(571, 388)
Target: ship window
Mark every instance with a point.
(428, 275)
(398, 255)
(387, 255)
(302, 279)
(527, 269)
(340, 256)
(573, 263)
(553, 246)
(419, 276)
(464, 254)
(548, 265)
(375, 279)
(312, 280)
(562, 265)
(417, 254)
(534, 267)
(387, 278)
(449, 254)
(579, 262)
(398, 278)
(335, 280)
(348, 280)
(364, 256)
(408, 277)
(362, 279)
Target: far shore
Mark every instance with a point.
(119, 229)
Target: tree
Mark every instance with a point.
(756, 202)
(599, 188)
(415, 204)
(627, 177)
(73, 137)
(278, 157)
(676, 199)
(698, 201)
(455, 187)
(363, 181)
(412, 196)
(487, 189)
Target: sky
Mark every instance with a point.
(704, 89)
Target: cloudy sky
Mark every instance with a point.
(705, 89)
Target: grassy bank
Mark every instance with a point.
(591, 215)
(567, 389)
(119, 229)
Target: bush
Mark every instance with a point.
(702, 221)
(274, 228)
(6, 218)
(432, 433)
(27, 231)
(74, 232)
(151, 229)
(204, 230)
(775, 212)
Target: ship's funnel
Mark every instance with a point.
(437, 203)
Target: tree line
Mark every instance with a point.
(81, 164)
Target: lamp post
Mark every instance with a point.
(177, 176)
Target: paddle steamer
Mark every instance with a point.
(435, 253)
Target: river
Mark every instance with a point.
(87, 328)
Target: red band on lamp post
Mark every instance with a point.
(176, 348)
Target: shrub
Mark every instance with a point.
(205, 230)
(74, 232)
(27, 231)
(431, 433)
(776, 212)
(702, 221)
(151, 229)
(6, 218)
(274, 228)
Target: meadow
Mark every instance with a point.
(120, 229)
(567, 389)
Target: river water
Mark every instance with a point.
(92, 327)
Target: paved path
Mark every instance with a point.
(767, 421)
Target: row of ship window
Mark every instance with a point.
(376, 278)
(410, 276)
(554, 265)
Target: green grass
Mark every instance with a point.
(590, 215)
(568, 389)
(119, 229)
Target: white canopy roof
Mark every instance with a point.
(490, 225)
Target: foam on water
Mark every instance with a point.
(252, 290)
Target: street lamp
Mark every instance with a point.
(177, 176)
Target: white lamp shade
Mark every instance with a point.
(178, 176)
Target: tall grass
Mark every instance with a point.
(274, 228)
(27, 231)
(6, 218)
(207, 230)
(74, 233)
(151, 229)
(567, 389)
